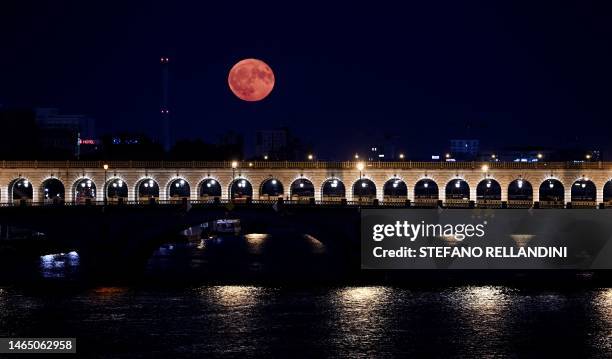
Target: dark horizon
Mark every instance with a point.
(506, 74)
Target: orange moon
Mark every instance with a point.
(251, 80)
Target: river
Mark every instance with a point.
(284, 318)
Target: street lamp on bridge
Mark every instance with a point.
(360, 167)
(234, 166)
(105, 166)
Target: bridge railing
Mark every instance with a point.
(306, 164)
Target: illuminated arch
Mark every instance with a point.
(147, 189)
(457, 189)
(552, 193)
(364, 190)
(302, 189)
(20, 189)
(520, 190)
(271, 189)
(584, 190)
(178, 189)
(52, 190)
(426, 188)
(333, 190)
(607, 192)
(488, 190)
(209, 189)
(241, 189)
(395, 190)
(116, 190)
(84, 190)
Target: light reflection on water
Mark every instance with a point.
(603, 305)
(233, 295)
(485, 300)
(358, 320)
(351, 321)
(255, 242)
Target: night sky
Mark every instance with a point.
(507, 73)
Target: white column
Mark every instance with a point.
(194, 188)
(473, 190)
(4, 194)
(68, 188)
(568, 192)
(600, 193)
(380, 189)
(504, 190)
(441, 192)
(536, 191)
(348, 188)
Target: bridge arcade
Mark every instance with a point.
(454, 184)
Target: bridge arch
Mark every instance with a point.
(147, 189)
(241, 190)
(364, 190)
(178, 189)
(426, 188)
(607, 192)
(116, 190)
(84, 190)
(271, 189)
(52, 190)
(302, 189)
(488, 190)
(395, 190)
(209, 189)
(20, 189)
(457, 189)
(520, 191)
(584, 190)
(552, 193)
(333, 190)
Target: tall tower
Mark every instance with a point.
(166, 139)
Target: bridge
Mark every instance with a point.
(121, 210)
(421, 184)
(452, 184)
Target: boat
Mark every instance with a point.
(221, 228)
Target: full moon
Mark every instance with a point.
(251, 80)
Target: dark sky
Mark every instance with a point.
(519, 73)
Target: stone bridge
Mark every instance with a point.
(452, 184)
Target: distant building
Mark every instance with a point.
(129, 139)
(464, 148)
(270, 142)
(280, 145)
(66, 135)
(538, 154)
(387, 148)
(519, 154)
(130, 146)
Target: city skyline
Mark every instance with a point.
(495, 73)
